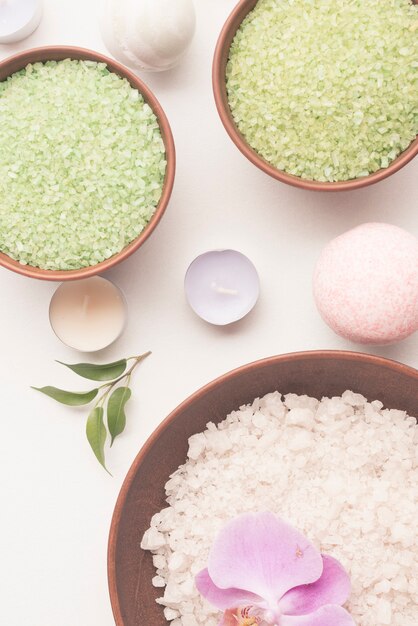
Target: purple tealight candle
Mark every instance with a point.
(222, 286)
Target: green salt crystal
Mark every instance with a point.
(337, 81)
(71, 133)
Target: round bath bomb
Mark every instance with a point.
(366, 284)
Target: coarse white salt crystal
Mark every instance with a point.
(157, 581)
(189, 620)
(152, 540)
(268, 440)
(260, 420)
(334, 484)
(400, 583)
(300, 417)
(380, 493)
(386, 516)
(170, 614)
(354, 399)
(383, 612)
(293, 401)
(376, 404)
(389, 570)
(159, 561)
(300, 439)
(172, 595)
(187, 587)
(398, 531)
(197, 444)
(218, 442)
(383, 586)
(332, 540)
(177, 562)
(300, 461)
(348, 483)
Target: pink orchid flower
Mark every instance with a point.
(263, 572)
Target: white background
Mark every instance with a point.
(56, 501)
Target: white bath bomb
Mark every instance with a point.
(148, 35)
(366, 284)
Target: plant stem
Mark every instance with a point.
(127, 375)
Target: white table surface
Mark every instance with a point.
(56, 500)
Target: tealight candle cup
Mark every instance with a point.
(18, 19)
(222, 286)
(89, 314)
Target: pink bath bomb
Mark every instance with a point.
(366, 284)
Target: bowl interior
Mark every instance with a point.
(58, 53)
(317, 374)
(221, 98)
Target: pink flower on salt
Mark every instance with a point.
(263, 572)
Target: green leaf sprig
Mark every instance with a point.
(113, 399)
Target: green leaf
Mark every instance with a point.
(71, 398)
(116, 418)
(96, 434)
(106, 371)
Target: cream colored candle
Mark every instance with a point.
(88, 314)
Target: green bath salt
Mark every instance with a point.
(82, 164)
(326, 90)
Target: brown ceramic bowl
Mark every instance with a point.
(130, 569)
(219, 87)
(58, 53)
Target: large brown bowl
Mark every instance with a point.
(58, 53)
(130, 569)
(221, 98)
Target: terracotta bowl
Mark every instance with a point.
(58, 53)
(130, 569)
(219, 87)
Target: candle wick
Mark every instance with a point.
(224, 290)
(85, 305)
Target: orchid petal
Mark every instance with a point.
(223, 598)
(262, 554)
(332, 588)
(329, 615)
(228, 619)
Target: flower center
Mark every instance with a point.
(253, 616)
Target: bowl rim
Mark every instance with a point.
(221, 99)
(52, 53)
(345, 355)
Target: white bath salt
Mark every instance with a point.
(342, 470)
(170, 614)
